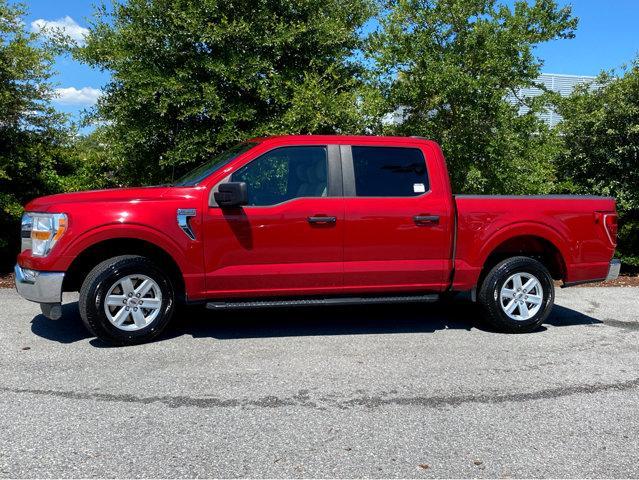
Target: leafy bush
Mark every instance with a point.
(600, 132)
(32, 136)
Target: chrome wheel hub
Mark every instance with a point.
(521, 296)
(133, 302)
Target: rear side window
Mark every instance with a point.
(389, 172)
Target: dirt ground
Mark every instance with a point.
(7, 281)
(622, 281)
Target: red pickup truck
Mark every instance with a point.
(308, 220)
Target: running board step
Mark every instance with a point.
(311, 302)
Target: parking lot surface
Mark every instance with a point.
(385, 391)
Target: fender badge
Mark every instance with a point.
(183, 216)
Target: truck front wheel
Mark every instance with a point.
(126, 300)
(517, 295)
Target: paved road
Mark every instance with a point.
(414, 391)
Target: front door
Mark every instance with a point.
(398, 225)
(288, 239)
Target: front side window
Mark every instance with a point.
(285, 173)
(389, 172)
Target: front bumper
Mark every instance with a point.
(613, 270)
(40, 287)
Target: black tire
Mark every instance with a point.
(490, 299)
(96, 286)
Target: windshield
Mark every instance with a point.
(198, 174)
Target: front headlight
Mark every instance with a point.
(41, 231)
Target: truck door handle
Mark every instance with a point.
(321, 220)
(426, 219)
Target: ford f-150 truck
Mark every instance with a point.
(304, 221)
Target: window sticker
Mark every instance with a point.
(419, 188)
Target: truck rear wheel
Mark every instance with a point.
(126, 300)
(517, 295)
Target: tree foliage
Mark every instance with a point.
(91, 162)
(600, 131)
(190, 77)
(32, 135)
(448, 67)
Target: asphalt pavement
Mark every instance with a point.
(384, 391)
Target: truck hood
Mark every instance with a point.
(44, 204)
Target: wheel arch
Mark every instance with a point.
(535, 245)
(102, 250)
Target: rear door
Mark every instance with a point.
(288, 239)
(397, 235)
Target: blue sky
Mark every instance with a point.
(607, 36)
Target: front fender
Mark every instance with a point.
(135, 231)
(185, 252)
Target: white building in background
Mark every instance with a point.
(562, 84)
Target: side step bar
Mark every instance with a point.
(311, 302)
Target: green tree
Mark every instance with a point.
(448, 67)
(32, 134)
(191, 77)
(92, 163)
(600, 130)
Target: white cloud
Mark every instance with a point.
(66, 25)
(74, 96)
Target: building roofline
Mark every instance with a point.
(568, 75)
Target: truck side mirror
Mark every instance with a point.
(231, 194)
